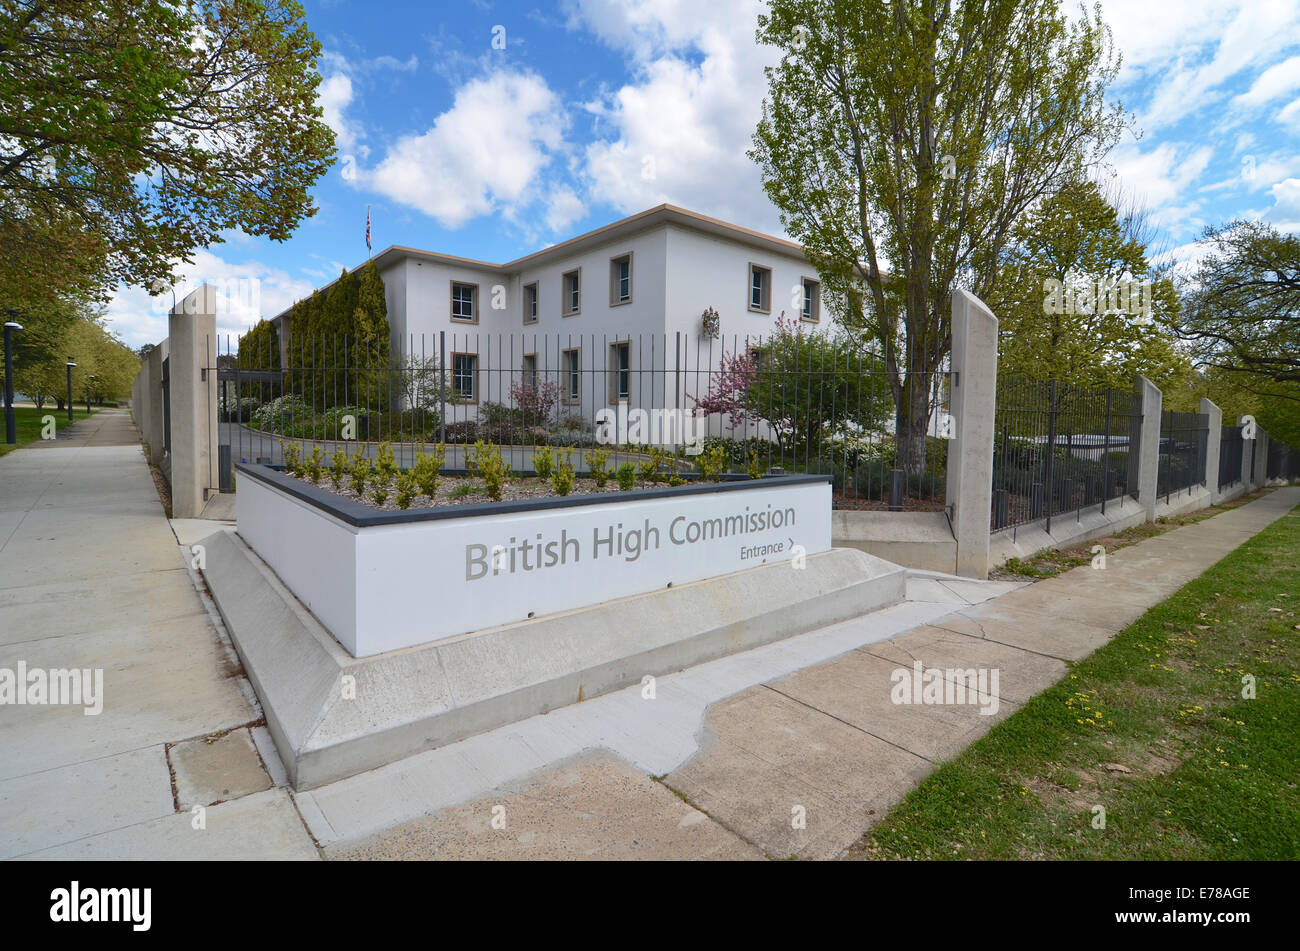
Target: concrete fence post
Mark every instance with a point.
(192, 339)
(972, 402)
(1148, 461)
(1247, 448)
(1213, 447)
(1262, 443)
(147, 400)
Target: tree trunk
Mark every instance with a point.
(912, 422)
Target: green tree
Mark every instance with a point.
(135, 131)
(1077, 301)
(903, 140)
(259, 349)
(805, 384)
(1241, 309)
(336, 331)
(370, 326)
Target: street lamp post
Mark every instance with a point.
(70, 366)
(90, 382)
(11, 425)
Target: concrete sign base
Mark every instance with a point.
(333, 715)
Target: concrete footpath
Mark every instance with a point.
(794, 749)
(91, 577)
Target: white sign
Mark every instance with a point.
(384, 587)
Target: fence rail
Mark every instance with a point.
(792, 401)
(1059, 448)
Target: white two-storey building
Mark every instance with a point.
(612, 315)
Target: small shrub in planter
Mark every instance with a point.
(652, 468)
(385, 462)
(676, 479)
(292, 455)
(426, 470)
(361, 471)
(713, 463)
(626, 476)
(407, 489)
(598, 463)
(562, 479)
(338, 468)
(379, 494)
(487, 463)
(544, 462)
(753, 467)
(313, 467)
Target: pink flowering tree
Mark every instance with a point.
(535, 401)
(800, 382)
(730, 386)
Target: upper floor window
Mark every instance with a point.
(620, 279)
(464, 301)
(760, 288)
(572, 284)
(530, 303)
(812, 300)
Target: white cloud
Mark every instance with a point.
(1290, 115)
(563, 208)
(1161, 177)
(481, 155)
(1190, 50)
(248, 290)
(335, 95)
(1278, 80)
(678, 132)
(1287, 201)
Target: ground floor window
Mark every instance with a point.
(464, 376)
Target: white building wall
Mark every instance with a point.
(706, 271)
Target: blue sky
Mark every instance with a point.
(595, 109)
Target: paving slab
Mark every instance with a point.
(261, 827)
(858, 689)
(775, 762)
(215, 769)
(49, 808)
(597, 808)
(77, 605)
(1031, 630)
(162, 682)
(1020, 674)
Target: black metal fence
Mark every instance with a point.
(1230, 447)
(1059, 448)
(1184, 439)
(799, 402)
(1283, 462)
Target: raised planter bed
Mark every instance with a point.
(381, 580)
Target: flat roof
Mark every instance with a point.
(643, 220)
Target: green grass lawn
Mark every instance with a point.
(29, 426)
(1153, 727)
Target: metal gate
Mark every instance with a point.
(235, 439)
